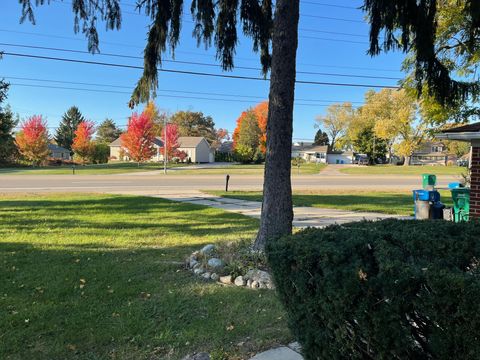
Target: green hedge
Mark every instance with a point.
(382, 290)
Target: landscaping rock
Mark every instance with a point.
(239, 281)
(199, 356)
(214, 277)
(206, 275)
(263, 278)
(192, 262)
(215, 263)
(198, 271)
(254, 284)
(207, 249)
(226, 279)
(249, 283)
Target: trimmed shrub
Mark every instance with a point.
(382, 290)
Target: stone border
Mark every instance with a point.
(203, 264)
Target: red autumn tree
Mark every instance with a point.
(137, 141)
(172, 140)
(82, 143)
(32, 140)
(261, 113)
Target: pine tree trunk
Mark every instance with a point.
(277, 212)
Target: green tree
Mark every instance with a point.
(367, 143)
(107, 132)
(66, 130)
(321, 138)
(8, 150)
(100, 152)
(336, 121)
(192, 123)
(248, 139)
(216, 22)
(442, 38)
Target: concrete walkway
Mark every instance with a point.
(303, 216)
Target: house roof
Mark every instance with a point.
(341, 152)
(183, 141)
(312, 148)
(157, 141)
(190, 141)
(116, 142)
(475, 127)
(53, 147)
(468, 132)
(226, 147)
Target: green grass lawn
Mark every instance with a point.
(100, 169)
(127, 167)
(252, 169)
(399, 203)
(99, 277)
(404, 170)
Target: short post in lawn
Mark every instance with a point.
(227, 178)
(73, 169)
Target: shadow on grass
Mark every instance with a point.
(97, 277)
(85, 304)
(149, 216)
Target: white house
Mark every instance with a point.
(310, 153)
(321, 154)
(340, 157)
(198, 149)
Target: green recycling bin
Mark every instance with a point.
(461, 204)
(429, 181)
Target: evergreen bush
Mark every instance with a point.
(382, 290)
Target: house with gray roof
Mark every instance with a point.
(197, 148)
(58, 152)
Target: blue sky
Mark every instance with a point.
(322, 49)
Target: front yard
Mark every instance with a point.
(100, 277)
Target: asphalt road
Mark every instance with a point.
(131, 183)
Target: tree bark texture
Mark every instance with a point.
(277, 213)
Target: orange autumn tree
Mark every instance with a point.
(261, 114)
(138, 140)
(32, 140)
(82, 144)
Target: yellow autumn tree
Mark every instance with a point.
(336, 122)
(396, 118)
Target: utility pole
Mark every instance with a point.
(165, 145)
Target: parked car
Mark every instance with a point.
(462, 162)
(363, 160)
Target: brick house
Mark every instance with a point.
(470, 133)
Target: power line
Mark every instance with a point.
(199, 54)
(197, 73)
(330, 5)
(333, 32)
(195, 63)
(167, 90)
(158, 95)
